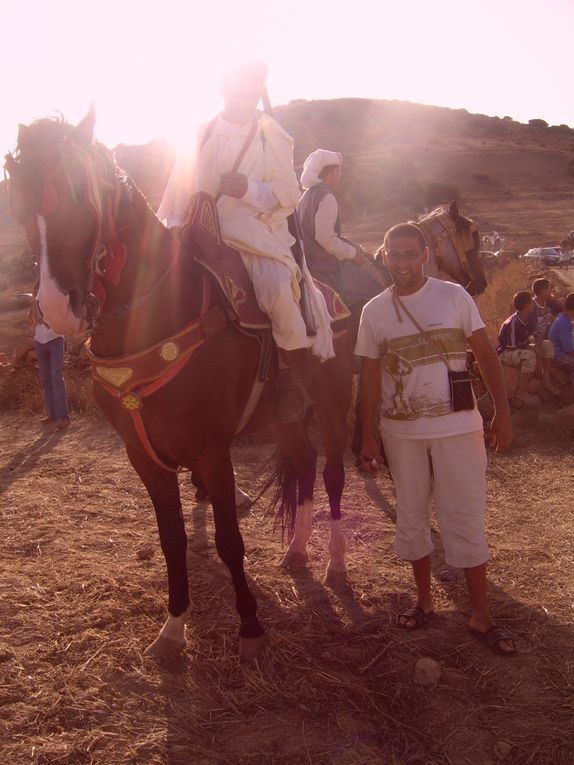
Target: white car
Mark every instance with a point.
(548, 255)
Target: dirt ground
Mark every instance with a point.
(78, 604)
(335, 686)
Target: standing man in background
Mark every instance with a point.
(50, 354)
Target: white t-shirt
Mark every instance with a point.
(43, 334)
(415, 390)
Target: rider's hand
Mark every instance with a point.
(233, 185)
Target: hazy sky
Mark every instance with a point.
(153, 67)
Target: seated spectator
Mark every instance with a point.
(514, 345)
(546, 308)
(561, 337)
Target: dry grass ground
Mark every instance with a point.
(335, 686)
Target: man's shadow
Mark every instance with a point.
(25, 460)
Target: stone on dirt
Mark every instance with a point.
(427, 672)
(146, 552)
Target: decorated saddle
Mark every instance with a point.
(203, 236)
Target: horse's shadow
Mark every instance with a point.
(28, 457)
(347, 630)
(333, 611)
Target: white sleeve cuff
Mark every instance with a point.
(260, 195)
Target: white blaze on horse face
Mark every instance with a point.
(54, 303)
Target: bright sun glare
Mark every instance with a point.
(154, 68)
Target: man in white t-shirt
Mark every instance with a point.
(411, 337)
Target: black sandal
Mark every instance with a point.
(418, 616)
(492, 639)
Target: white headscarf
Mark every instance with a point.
(245, 71)
(315, 163)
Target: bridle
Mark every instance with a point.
(459, 236)
(103, 183)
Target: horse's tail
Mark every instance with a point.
(292, 471)
(284, 499)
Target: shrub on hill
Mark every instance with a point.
(566, 129)
(570, 168)
(483, 178)
(538, 123)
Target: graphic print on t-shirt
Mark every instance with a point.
(403, 356)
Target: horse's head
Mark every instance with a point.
(454, 243)
(63, 187)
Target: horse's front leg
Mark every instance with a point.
(163, 489)
(217, 473)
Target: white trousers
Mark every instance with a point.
(272, 282)
(273, 286)
(452, 472)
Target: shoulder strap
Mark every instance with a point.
(242, 151)
(398, 302)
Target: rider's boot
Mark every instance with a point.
(291, 397)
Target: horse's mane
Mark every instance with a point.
(39, 140)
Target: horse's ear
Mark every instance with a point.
(84, 130)
(453, 210)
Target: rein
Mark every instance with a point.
(123, 311)
(451, 234)
(131, 379)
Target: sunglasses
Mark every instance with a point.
(409, 256)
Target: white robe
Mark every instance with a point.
(256, 224)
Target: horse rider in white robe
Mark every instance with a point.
(253, 204)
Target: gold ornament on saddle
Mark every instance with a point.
(169, 351)
(131, 402)
(117, 376)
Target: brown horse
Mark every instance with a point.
(173, 374)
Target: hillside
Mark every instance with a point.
(400, 158)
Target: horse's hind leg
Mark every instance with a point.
(334, 437)
(163, 489)
(242, 500)
(217, 473)
(333, 399)
(299, 460)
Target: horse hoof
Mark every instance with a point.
(164, 648)
(295, 560)
(251, 649)
(335, 578)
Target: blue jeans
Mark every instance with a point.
(51, 364)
